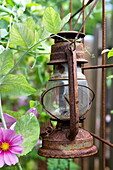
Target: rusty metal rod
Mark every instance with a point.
(99, 138)
(78, 19)
(98, 66)
(87, 17)
(61, 11)
(71, 14)
(83, 21)
(66, 99)
(103, 84)
(81, 9)
(82, 159)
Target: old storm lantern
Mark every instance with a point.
(66, 100)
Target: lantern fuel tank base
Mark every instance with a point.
(57, 145)
(67, 154)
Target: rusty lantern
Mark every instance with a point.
(67, 100)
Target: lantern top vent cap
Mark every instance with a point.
(68, 35)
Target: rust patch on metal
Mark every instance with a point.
(58, 54)
(56, 144)
(61, 68)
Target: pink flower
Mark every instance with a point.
(11, 120)
(33, 110)
(8, 119)
(9, 146)
(22, 101)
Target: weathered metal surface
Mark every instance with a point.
(101, 139)
(71, 14)
(80, 53)
(58, 49)
(68, 154)
(97, 67)
(60, 71)
(73, 93)
(103, 83)
(67, 140)
(70, 35)
(57, 145)
(81, 9)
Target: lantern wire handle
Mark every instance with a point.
(46, 91)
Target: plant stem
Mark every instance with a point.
(53, 35)
(4, 2)
(9, 32)
(1, 114)
(5, 127)
(19, 166)
(26, 53)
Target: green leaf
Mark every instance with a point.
(9, 2)
(3, 33)
(39, 108)
(44, 117)
(65, 20)
(37, 105)
(111, 111)
(1, 49)
(6, 62)
(108, 82)
(104, 51)
(28, 127)
(110, 54)
(13, 113)
(74, 166)
(38, 34)
(110, 77)
(16, 86)
(4, 9)
(32, 102)
(41, 157)
(30, 23)
(32, 4)
(51, 20)
(3, 24)
(21, 35)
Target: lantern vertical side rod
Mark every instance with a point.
(82, 159)
(83, 21)
(73, 93)
(103, 84)
(71, 14)
(61, 13)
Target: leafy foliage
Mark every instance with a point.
(6, 62)
(28, 127)
(52, 21)
(110, 53)
(21, 35)
(18, 32)
(61, 164)
(14, 114)
(16, 86)
(111, 112)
